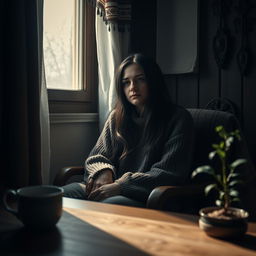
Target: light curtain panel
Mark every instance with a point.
(177, 36)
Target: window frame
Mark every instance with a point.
(85, 100)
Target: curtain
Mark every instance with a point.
(113, 43)
(24, 109)
(44, 107)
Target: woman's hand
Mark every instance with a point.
(105, 177)
(88, 187)
(104, 192)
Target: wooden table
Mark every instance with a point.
(91, 228)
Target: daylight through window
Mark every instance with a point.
(62, 44)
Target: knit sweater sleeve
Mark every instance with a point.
(99, 158)
(173, 168)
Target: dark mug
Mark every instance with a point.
(38, 207)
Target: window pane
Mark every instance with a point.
(60, 51)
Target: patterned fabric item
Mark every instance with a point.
(115, 13)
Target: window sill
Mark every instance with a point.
(61, 118)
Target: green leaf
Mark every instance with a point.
(233, 193)
(233, 175)
(210, 187)
(221, 195)
(235, 182)
(229, 141)
(215, 146)
(221, 153)
(236, 133)
(221, 131)
(219, 128)
(218, 202)
(222, 144)
(212, 155)
(235, 199)
(203, 169)
(237, 162)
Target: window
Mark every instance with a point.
(70, 55)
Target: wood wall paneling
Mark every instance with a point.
(249, 90)
(208, 70)
(231, 79)
(187, 94)
(171, 81)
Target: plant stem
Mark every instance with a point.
(224, 181)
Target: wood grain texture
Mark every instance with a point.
(156, 233)
(131, 211)
(159, 237)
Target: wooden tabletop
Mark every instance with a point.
(158, 233)
(91, 228)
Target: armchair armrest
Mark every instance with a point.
(161, 195)
(67, 172)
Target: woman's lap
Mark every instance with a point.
(76, 190)
(123, 200)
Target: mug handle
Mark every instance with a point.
(6, 205)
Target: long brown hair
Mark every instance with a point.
(156, 106)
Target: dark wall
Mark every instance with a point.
(213, 81)
(143, 27)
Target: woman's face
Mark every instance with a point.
(135, 86)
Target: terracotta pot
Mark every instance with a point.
(223, 228)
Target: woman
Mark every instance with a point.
(146, 142)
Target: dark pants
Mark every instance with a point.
(74, 190)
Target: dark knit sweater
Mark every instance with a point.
(141, 171)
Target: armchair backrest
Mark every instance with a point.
(205, 121)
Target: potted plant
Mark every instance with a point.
(223, 220)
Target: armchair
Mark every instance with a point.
(66, 173)
(188, 198)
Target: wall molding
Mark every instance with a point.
(62, 118)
